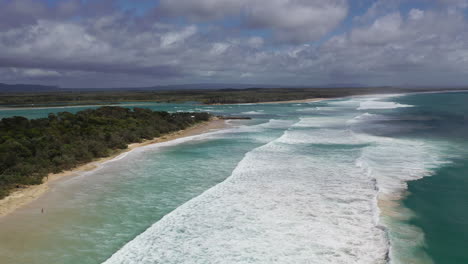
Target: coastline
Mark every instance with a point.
(21, 197)
(309, 100)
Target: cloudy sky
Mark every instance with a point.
(121, 43)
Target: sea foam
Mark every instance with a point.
(277, 206)
(380, 105)
(309, 196)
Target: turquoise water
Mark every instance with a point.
(440, 202)
(300, 183)
(40, 112)
(98, 215)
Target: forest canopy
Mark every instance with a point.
(31, 149)
(224, 96)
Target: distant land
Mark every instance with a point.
(28, 88)
(38, 88)
(21, 95)
(29, 147)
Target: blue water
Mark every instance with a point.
(440, 202)
(340, 181)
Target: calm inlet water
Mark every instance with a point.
(373, 179)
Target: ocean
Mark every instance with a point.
(369, 179)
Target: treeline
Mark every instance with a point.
(224, 96)
(31, 149)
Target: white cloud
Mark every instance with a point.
(378, 9)
(421, 46)
(416, 14)
(36, 73)
(60, 40)
(426, 47)
(255, 42)
(383, 30)
(290, 20)
(297, 21)
(201, 9)
(172, 38)
(219, 48)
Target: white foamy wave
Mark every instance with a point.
(367, 117)
(277, 123)
(296, 201)
(349, 103)
(321, 122)
(321, 136)
(308, 109)
(277, 206)
(380, 105)
(328, 109)
(392, 163)
(259, 112)
(272, 123)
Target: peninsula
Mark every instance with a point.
(32, 149)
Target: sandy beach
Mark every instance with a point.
(23, 196)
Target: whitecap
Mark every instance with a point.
(277, 206)
(380, 105)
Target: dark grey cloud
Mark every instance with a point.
(290, 20)
(40, 67)
(20, 13)
(94, 44)
(413, 48)
(201, 10)
(16, 13)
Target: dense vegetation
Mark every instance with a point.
(224, 96)
(30, 149)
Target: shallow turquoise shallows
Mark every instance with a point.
(370, 179)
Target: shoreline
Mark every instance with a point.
(7, 107)
(29, 107)
(23, 196)
(309, 100)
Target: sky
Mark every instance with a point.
(123, 43)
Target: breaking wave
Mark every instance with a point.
(320, 193)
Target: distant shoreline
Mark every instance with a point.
(207, 97)
(21, 197)
(21, 107)
(309, 100)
